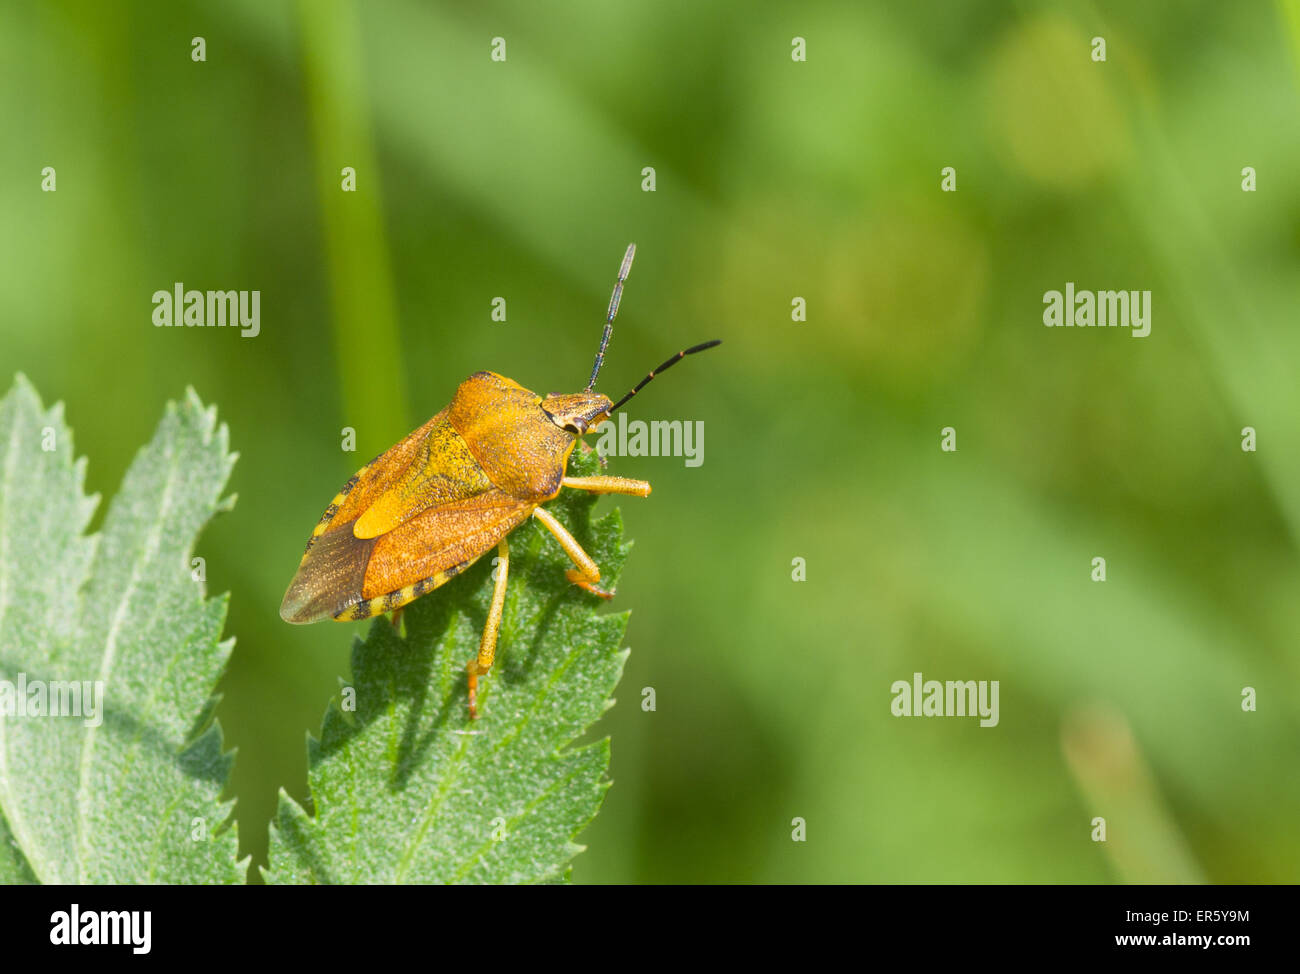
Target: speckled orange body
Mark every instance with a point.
(418, 515)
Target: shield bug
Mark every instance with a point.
(423, 512)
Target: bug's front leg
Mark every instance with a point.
(487, 647)
(608, 485)
(587, 572)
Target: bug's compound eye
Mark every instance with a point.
(565, 420)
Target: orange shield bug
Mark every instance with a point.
(420, 514)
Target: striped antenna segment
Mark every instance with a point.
(663, 368)
(614, 299)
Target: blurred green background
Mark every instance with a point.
(775, 179)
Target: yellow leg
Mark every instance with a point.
(397, 619)
(608, 485)
(587, 574)
(487, 647)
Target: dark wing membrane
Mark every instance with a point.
(329, 578)
(348, 578)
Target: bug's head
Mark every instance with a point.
(576, 412)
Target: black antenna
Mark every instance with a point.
(614, 299)
(663, 368)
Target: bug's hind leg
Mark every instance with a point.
(397, 619)
(587, 572)
(487, 647)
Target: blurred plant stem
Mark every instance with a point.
(1290, 11)
(366, 341)
(1143, 841)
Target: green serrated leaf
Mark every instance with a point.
(407, 789)
(14, 870)
(129, 794)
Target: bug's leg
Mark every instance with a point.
(587, 574)
(608, 485)
(487, 647)
(397, 619)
